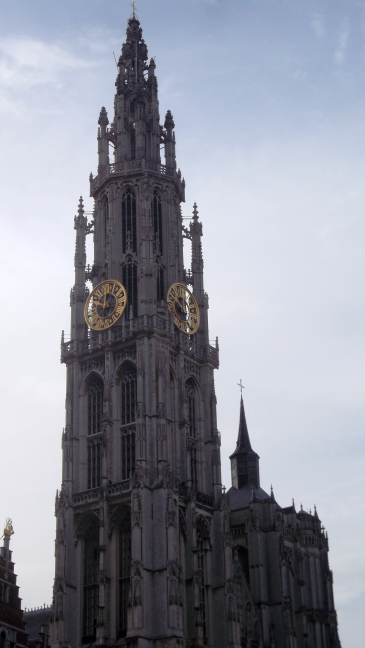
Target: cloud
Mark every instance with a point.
(318, 25)
(27, 62)
(343, 36)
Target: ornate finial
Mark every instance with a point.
(103, 117)
(301, 507)
(195, 212)
(241, 387)
(8, 528)
(169, 121)
(133, 5)
(81, 207)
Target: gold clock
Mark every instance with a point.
(184, 307)
(105, 305)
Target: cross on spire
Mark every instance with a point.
(133, 5)
(240, 385)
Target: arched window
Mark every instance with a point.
(91, 583)
(129, 224)
(129, 280)
(124, 572)
(95, 392)
(157, 221)
(191, 403)
(128, 381)
(128, 386)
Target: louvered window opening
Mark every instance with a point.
(94, 463)
(124, 573)
(157, 221)
(91, 584)
(95, 406)
(129, 280)
(129, 222)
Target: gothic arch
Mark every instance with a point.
(125, 365)
(85, 521)
(119, 513)
(92, 375)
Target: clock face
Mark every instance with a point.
(183, 305)
(105, 305)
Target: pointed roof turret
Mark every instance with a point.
(243, 440)
(244, 460)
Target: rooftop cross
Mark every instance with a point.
(240, 385)
(133, 5)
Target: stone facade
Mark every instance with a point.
(149, 552)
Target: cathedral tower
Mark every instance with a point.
(149, 553)
(141, 485)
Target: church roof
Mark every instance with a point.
(241, 497)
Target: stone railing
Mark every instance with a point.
(133, 166)
(87, 496)
(41, 608)
(128, 328)
(312, 540)
(120, 487)
(238, 530)
(205, 500)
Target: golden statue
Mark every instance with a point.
(8, 529)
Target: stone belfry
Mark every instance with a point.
(141, 488)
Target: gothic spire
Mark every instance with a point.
(244, 461)
(243, 440)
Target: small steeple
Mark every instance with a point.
(244, 461)
(243, 441)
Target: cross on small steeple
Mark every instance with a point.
(133, 5)
(240, 385)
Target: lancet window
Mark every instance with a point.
(91, 583)
(124, 573)
(157, 221)
(128, 386)
(129, 222)
(129, 280)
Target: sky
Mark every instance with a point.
(268, 98)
